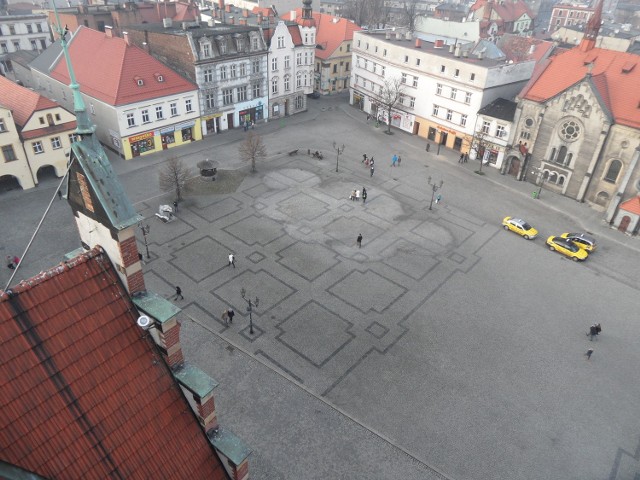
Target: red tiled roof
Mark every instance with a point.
(22, 101)
(616, 85)
(113, 79)
(509, 11)
(331, 31)
(85, 394)
(48, 130)
(518, 48)
(632, 205)
(265, 11)
(294, 31)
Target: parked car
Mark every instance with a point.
(314, 94)
(520, 227)
(567, 248)
(583, 240)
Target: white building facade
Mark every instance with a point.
(443, 86)
(291, 62)
(22, 32)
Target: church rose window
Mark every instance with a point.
(570, 130)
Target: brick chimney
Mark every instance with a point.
(245, 13)
(242, 21)
(108, 31)
(127, 40)
(227, 8)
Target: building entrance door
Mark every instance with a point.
(230, 120)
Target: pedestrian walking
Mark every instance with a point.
(178, 293)
(428, 147)
(394, 160)
(359, 240)
(357, 195)
(225, 316)
(59, 194)
(466, 157)
(352, 197)
(364, 195)
(371, 161)
(141, 258)
(230, 314)
(372, 170)
(438, 198)
(399, 160)
(232, 260)
(364, 158)
(368, 117)
(589, 353)
(593, 331)
(253, 124)
(461, 159)
(175, 206)
(10, 263)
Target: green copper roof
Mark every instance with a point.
(229, 445)
(156, 306)
(195, 380)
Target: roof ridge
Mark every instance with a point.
(52, 272)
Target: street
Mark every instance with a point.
(445, 347)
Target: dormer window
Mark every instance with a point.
(159, 77)
(139, 81)
(240, 43)
(222, 42)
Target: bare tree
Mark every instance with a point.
(410, 13)
(390, 96)
(371, 13)
(479, 145)
(252, 149)
(173, 177)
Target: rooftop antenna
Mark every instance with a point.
(83, 124)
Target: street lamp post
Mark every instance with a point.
(434, 188)
(540, 173)
(250, 305)
(339, 150)
(145, 231)
(439, 141)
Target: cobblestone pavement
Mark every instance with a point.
(443, 348)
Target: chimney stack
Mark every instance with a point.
(242, 21)
(231, 20)
(292, 15)
(108, 31)
(418, 43)
(456, 52)
(245, 13)
(227, 8)
(127, 40)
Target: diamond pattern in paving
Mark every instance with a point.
(255, 229)
(367, 291)
(309, 260)
(302, 207)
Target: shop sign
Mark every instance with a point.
(167, 130)
(181, 126)
(211, 117)
(142, 136)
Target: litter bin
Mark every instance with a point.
(534, 195)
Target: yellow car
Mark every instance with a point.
(583, 240)
(567, 247)
(520, 227)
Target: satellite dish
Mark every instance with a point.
(144, 322)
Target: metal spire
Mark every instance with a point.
(83, 124)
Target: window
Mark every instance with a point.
(174, 109)
(485, 127)
(206, 50)
(463, 120)
(58, 117)
(335, 68)
(415, 82)
(41, 119)
(382, 70)
(255, 66)
(234, 72)
(287, 62)
(454, 92)
(39, 27)
(73, 138)
(406, 59)
(254, 43)
(210, 100)
(187, 105)
(274, 85)
(436, 110)
(131, 120)
(375, 49)
(348, 47)
(241, 93)
(613, 171)
(449, 115)
(274, 64)
(34, 45)
(287, 83)
(417, 62)
(472, 77)
(412, 102)
(223, 73)
(243, 69)
(299, 79)
(256, 90)
(159, 113)
(227, 96)
(467, 98)
(16, 46)
(208, 75)
(8, 153)
(457, 73)
(346, 67)
(298, 58)
(525, 135)
(29, 28)
(501, 131)
(404, 78)
(3, 128)
(570, 130)
(12, 30)
(384, 52)
(240, 44)
(280, 42)
(442, 69)
(145, 116)
(37, 147)
(4, 48)
(223, 46)
(439, 89)
(55, 143)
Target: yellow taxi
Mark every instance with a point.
(583, 240)
(567, 248)
(520, 227)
